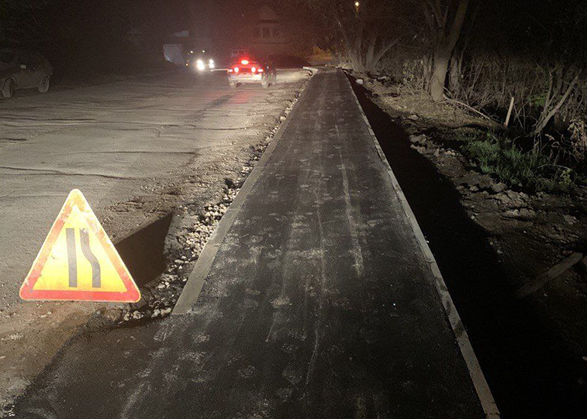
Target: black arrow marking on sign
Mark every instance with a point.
(71, 256)
(85, 242)
(89, 255)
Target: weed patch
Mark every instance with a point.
(532, 170)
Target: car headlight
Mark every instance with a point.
(211, 63)
(200, 65)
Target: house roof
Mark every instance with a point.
(267, 14)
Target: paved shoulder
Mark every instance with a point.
(319, 303)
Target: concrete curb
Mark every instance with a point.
(312, 70)
(478, 378)
(193, 286)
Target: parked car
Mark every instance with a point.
(23, 70)
(248, 70)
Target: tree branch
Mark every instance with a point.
(542, 124)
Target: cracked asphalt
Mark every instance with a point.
(135, 148)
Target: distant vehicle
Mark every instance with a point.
(200, 61)
(23, 70)
(248, 70)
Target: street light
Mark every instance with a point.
(357, 4)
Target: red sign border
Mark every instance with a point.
(27, 292)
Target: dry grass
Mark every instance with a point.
(407, 101)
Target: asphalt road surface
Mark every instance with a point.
(109, 141)
(319, 302)
(134, 148)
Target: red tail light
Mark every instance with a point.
(244, 62)
(236, 69)
(253, 69)
(260, 70)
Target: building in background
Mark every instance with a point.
(268, 34)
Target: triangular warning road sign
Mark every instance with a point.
(78, 261)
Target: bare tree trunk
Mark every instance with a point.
(384, 50)
(426, 71)
(356, 60)
(348, 44)
(358, 49)
(441, 59)
(369, 64)
(444, 51)
(455, 71)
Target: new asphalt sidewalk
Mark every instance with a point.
(316, 298)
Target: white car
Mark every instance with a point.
(250, 71)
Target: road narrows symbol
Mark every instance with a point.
(85, 241)
(71, 257)
(58, 273)
(87, 252)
